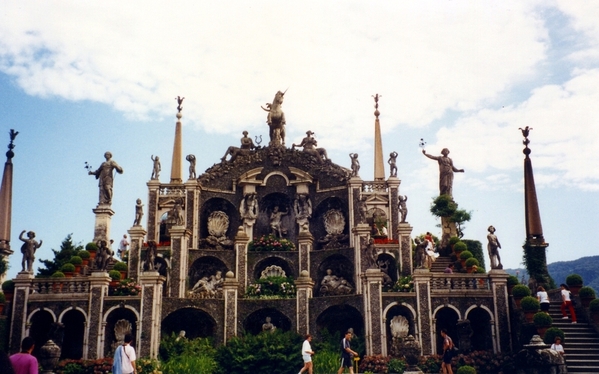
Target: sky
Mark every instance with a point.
(81, 78)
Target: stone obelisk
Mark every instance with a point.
(176, 168)
(6, 199)
(379, 165)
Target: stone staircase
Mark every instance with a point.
(581, 342)
(440, 264)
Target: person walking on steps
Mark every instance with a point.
(567, 303)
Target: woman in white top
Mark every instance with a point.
(567, 303)
(557, 345)
(307, 355)
(543, 299)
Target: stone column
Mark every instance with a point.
(192, 211)
(355, 188)
(230, 291)
(98, 289)
(137, 234)
(304, 285)
(180, 254)
(498, 279)
(362, 230)
(241, 258)
(150, 317)
(19, 309)
(305, 243)
(372, 281)
(404, 231)
(152, 210)
(394, 219)
(422, 281)
(102, 226)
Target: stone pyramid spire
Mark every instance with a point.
(379, 166)
(6, 199)
(176, 168)
(534, 228)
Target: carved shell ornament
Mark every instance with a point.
(334, 222)
(272, 271)
(218, 223)
(399, 327)
(121, 327)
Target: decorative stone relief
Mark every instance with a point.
(399, 327)
(218, 224)
(334, 285)
(334, 224)
(208, 287)
(272, 271)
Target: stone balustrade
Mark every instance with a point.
(460, 282)
(48, 286)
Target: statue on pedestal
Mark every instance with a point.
(276, 120)
(156, 167)
(355, 164)
(192, 166)
(103, 255)
(302, 207)
(309, 144)
(139, 213)
(403, 208)
(268, 326)
(493, 249)
(393, 164)
(446, 170)
(28, 249)
(106, 178)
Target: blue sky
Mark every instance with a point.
(78, 79)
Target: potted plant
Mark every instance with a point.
(520, 291)
(459, 247)
(542, 321)
(574, 282)
(470, 263)
(77, 261)
(530, 305)
(2, 301)
(92, 248)
(587, 294)
(594, 309)
(68, 269)
(122, 268)
(115, 275)
(466, 369)
(551, 333)
(464, 255)
(8, 287)
(57, 284)
(85, 255)
(512, 280)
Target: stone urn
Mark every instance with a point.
(49, 355)
(411, 351)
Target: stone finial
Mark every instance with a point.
(230, 275)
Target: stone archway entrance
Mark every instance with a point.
(195, 322)
(74, 330)
(447, 318)
(254, 322)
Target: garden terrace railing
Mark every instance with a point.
(460, 282)
(49, 286)
(374, 186)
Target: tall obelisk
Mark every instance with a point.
(6, 199)
(176, 167)
(379, 165)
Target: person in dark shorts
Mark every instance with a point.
(447, 353)
(346, 354)
(543, 299)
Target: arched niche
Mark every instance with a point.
(277, 261)
(42, 322)
(254, 322)
(205, 266)
(318, 227)
(267, 206)
(112, 319)
(73, 333)
(219, 204)
(340, 265)
(480, 322)
(398, 310)
(446, 318)
(338, 319)
(388, 265)
(196, 323)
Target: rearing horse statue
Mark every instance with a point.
(276, 119)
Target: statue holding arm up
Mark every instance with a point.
(105, 178)
(446, 170)
(28, 249)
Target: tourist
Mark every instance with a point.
(124, 357)
(307, 353)
(24, 362)
(447, 353)
(567, 303)
(123, 246)
(557, 346)
(449, 269)
(543, 299)
(347, 354)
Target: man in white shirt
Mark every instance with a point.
(123, 246)
(125, 356)
(307, 355)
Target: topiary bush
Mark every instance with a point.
(67, 268)
(594, 306)
(542, 319)
(453, 240)
(465, 255)
(476, 248)
(574, 280)
(512, 280)
(115, 275)
(8, 286)
(120, 266)
(58, 274)
(76, 260)
(472, 262)
(85, 255)
(520, 290)
(460, 247)
(551, 333)
(529, 304)
(91, 247)
(586, 292)
(467, 369)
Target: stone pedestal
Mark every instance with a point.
(404, 231)
(304, 285)
(241, 249)
(305, 243)
(362, 230)
(98, 289)
(373, 311)
(152, 210)
(355, 188)
(393, 183)
(230, 291)
(192, 210)
(137, 234)
(102, 226)
(179, 241)
(501, 330)
(20, 309)
(150, 317)
(422, 279)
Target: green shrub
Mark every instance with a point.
(476, 248)
(460, 247)
(76, 260)
(529, 304)
(267, 243)
(551, 333)
(542, 319)
(147, 365)
(467, 369)
(453, 240)
(374, 364)
(114, 275)
(574, 280)
(120, 266)
(326, 361)
(396, 366)
(472, 262)
(58, 274)
(512, 280)
(520, 290)
(594, 305)
(85, 255)
(272, 287)
(586, 292)
(190, 364)
(465, 255)
(91, 247)
(67, 268)
(2, 298)
(8, 285)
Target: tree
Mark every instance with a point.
(444, 206)
(67, 250)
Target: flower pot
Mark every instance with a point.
(84, 262)
(68, 274)
(123, 275)
(92, 255)
(575, 289)
(586, 301)
(469, 269)
(114, 283)
(77, 269)
(542, 330)
(529, 316)
(517, 300)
